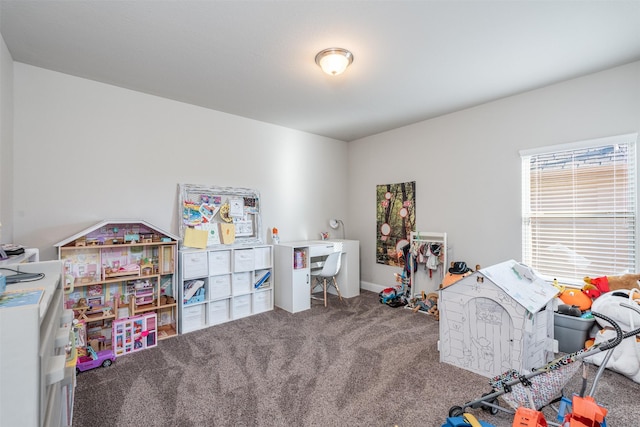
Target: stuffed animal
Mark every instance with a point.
(601, 285)
(434, 308)
(428, 303)
(576, 298)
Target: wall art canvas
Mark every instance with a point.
(395, 220)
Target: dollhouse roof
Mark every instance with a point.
(518, 281)
(117, 222)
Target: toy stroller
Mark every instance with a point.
(528, 393)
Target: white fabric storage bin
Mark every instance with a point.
(218, 311)
(193, 318)
(219, 286)
(219, 262)
(241, 283)
(262, 256)
(194, 264)
(243, 260)
(241, 306)
(262, 301)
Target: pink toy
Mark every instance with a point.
(95, 360)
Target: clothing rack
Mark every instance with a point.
(417, 241)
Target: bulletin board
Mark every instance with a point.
(211, 216)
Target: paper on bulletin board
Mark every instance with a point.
(227, 233)
(195, 238)
(236, 207)
(213, 233)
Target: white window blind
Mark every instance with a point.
(579, 209)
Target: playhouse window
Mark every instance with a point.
(579, 209)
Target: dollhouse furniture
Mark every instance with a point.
(134, 334)
(121, 274)
(38, 376)
(496, 319)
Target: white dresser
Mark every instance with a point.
(36, 385)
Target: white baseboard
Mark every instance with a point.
(373, 287)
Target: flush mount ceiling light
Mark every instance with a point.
(334, 60)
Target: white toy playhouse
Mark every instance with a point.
(496, 319)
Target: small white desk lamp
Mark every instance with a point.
(335, 223)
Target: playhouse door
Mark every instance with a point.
(490, 336)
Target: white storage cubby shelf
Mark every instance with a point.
(223, 284)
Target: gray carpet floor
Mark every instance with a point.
(353, 363)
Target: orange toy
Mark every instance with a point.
(526, 417)
(586, 413)
(576, 297)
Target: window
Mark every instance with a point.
(579, 209)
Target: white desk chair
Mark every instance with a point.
(329, 272)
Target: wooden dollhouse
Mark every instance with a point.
(119, 270)
(496, 319)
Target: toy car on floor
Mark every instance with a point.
(102, 358)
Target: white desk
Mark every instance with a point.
(292, 288)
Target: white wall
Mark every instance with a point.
(86, 151)
(6, 143)
(467, 167)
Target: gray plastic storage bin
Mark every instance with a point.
(571, 332)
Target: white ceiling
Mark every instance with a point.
(414, 60)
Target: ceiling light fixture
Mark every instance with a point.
(334, 60)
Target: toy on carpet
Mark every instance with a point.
(428, 303)
(396, 296)
(601, 285)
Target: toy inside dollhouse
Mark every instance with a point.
(117, 272)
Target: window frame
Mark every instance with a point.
(549, 223)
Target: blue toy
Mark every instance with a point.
(466, 420)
